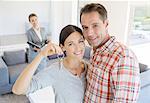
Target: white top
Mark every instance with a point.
(38, 33)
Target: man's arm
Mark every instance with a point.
(126, 80)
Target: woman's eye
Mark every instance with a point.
(81, 41)
(69, 44)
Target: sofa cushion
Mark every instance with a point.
(5, 89)
(4, 76)
(145, 78)
(14, 57)
(14, 71)
(87, 52)
(143, 67)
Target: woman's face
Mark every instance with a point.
(34, 21)
(74, 45)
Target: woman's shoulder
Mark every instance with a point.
(30, 31)
(53, 64)
(42, 29)
(49, 70)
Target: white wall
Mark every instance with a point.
(62, 14)
(14, 18)
(14, 15)
(57, 13)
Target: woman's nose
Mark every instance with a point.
(77, 47)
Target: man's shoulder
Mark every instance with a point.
(122, 50)
(118, 48)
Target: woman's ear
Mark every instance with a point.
(62, 47)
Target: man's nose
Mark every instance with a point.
(89, 31)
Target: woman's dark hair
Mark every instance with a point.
(66, 31)
(94, 7)
(31, 15)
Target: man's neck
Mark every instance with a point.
(103, 42)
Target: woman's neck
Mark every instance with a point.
(36, 28)
(73, 66)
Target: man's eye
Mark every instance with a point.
(95, 25)
(84, 28)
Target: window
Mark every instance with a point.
(139, 38)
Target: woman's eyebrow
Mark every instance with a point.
(70, 42)
(81, 38)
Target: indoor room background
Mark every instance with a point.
(129, 21)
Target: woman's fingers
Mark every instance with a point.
(47, 50)
(51, 49)
(58, 50)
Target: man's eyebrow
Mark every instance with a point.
(94, 23)
(84, 26)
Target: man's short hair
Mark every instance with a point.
(94, 7)
(31, 15)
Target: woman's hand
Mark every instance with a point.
(51, 49)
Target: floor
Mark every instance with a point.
(12, 98)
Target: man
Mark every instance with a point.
(114, 74)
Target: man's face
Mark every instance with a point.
(94, 29)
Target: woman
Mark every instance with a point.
(67, 80)
(38, 36)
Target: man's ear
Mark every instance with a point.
(106, 23)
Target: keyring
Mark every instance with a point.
(60, 57)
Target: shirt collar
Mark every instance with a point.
(106, 46)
